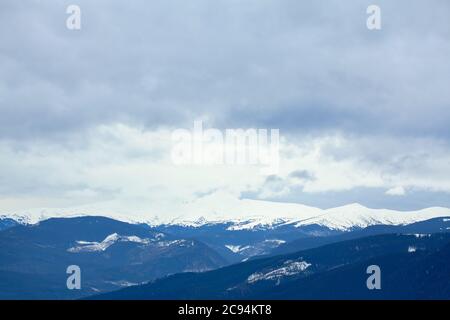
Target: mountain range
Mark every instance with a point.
(110, 253)
(241, 214)
(241, 229)
(255, 256)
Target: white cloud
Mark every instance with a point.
(396, 191)
(133, 166)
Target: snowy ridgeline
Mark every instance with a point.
(271, 243)
(92, 246)
(246, 214)
(289, 268)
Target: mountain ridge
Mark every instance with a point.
(285, 276)
(248, 214)
(110, 253)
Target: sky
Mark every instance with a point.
(87, 115)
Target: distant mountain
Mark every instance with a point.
(114, 255)
(111, 255)
(7, 223)
(242, 229)
(241, 244)
(412, 266)
(245, 214)
(436, 225)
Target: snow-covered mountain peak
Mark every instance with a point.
(241, 214)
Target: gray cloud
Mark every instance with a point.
(371, 197)
(293, 65)
(302, 175)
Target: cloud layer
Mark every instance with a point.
(86, 115)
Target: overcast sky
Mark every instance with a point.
(87, 115)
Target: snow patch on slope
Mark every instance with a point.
(236, 249)
(289, 268)
(412, 249)
(275, 242)
(92, 246)
(180, 243)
